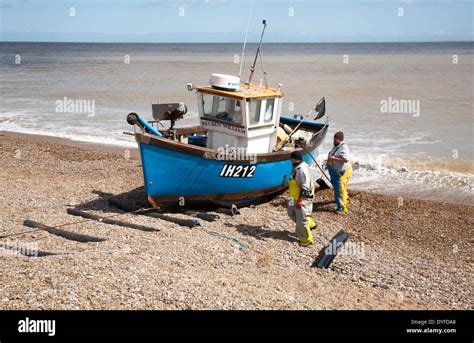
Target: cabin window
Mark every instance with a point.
(222, 108)
(269, 106)
(207, 103)
(238, 111)
(254, 111)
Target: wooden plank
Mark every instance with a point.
(83, 214)
(130, 208)
(62, 233)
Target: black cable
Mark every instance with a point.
(327, 177)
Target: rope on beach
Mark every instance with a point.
(237, 245)
(76, 222)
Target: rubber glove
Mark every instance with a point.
(299, 203)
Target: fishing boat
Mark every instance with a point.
(240, 152)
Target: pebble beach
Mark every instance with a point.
(407, 253)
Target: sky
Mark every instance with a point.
(226, 20)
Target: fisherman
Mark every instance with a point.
(300, 205)
(340, 170)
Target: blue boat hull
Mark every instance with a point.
(178, 174)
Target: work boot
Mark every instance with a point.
(312, 224)
(305, 244)
(341, 212)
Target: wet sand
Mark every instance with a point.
(408, 253)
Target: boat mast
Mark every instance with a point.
(252, 68)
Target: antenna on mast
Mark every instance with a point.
(252, 68)
(245, 40)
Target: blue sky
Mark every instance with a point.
(225, 20)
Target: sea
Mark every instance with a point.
(406, 109)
